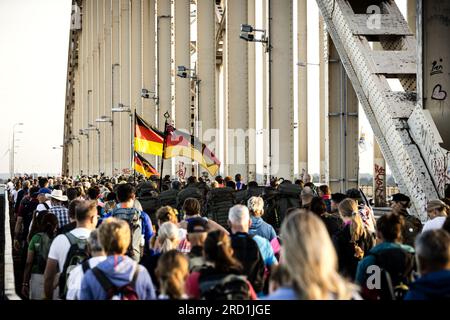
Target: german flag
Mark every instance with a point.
(179, 143)
(147, 139)
(141, 165)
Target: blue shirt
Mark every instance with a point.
(261, 228)
(120, 271)
(283, 293)
(266, 251)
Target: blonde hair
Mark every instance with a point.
(256, 206)
(115, 236)
(439, 206)
(349, 208)
(311, 260)
(166, 213)
(168, 236)
(172, 271)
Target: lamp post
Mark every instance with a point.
(71, 140)
(83, 132)
(248, 33)
(184, 72)
(122, 108)
(91, 127)
(13, 148)
(104, 119)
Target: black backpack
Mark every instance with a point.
(397, 267)
(246, 251)
(288, 197)
(412, 228)
(218, 203)
(190, 191)
(168, 198)
(28, 208)
(224, 287)
(271, 215)
(77, 254)
(134, 219)
(150, 203)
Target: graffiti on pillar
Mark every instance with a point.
(438, 93)
(181, 170)
(126, 171)
(379, 179)
(436, 67)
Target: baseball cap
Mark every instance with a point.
(197, 225)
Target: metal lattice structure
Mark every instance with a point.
(374, 48)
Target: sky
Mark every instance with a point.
(34, 37)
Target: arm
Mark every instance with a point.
(147, 229)
(146, 285)
(212, 226)
(51, 270)
(85, 290)
(17, 230)
(27, 273)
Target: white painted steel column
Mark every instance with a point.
(281, 32)
(206, 68)
(302, 85)
(125, 84)
(115, 85)
(182, 94)
(236, 76)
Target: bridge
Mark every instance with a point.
(226, 71)
(234, 74)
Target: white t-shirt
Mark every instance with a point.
(61, 245)
(10, 186)
(41, 207)
(434, 224)
(76, 277)
(182, 233)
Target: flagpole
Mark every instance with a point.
(167, 116)
(134, 136)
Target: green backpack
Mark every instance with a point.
(42, 247)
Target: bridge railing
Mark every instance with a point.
(8, 290)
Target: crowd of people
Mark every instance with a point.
(100, 238)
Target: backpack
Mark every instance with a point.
(189, 192)
(42, 247)
(218, 203)
(397, 267)
(134, 219)
(412, 228)
(246, 251)
(333, 223)
(76, 255)
(168, 198)
(28, 208)
(150, 204)
(288, 197)
(126, 292)
(271, 214)
(224, 287)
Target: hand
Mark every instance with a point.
(25, 290)
(17, 245)
(359, 253)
